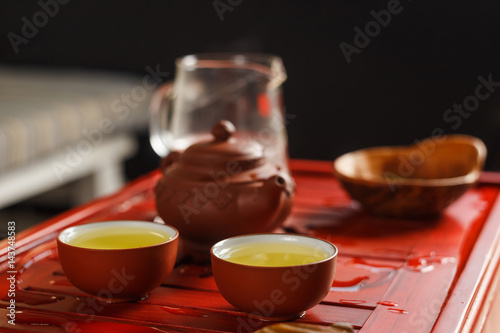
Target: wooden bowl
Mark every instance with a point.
(118, 274)
(416, 181)
(265, 290)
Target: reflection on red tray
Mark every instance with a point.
(388, 271)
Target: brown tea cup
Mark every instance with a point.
(118, 261)
(274, 277)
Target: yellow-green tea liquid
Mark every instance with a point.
(274, 254)
(122, 238)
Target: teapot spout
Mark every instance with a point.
(276, 185)
(279, 191)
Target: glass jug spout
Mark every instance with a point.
(277, 74)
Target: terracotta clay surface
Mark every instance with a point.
(222, 188)
(119, 275)
(274, 293)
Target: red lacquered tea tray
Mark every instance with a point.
(392, 275)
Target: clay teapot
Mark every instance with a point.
(222, 188)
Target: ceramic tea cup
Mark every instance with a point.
(118, 261)
(274, 277)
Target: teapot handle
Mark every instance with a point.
(159, 110)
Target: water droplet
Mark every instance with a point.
(349, 285)
(428, 263)
(386, 303)
(352, 301)
(184, 311)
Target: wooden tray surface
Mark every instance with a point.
(392, 275)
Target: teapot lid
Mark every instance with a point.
(224, 148)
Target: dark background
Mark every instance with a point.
(395, 91)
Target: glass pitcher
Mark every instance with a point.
(245, 89)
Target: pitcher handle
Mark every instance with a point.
(159, 110)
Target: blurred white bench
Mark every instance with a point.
(58, 126)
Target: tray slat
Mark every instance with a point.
(392, 275)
